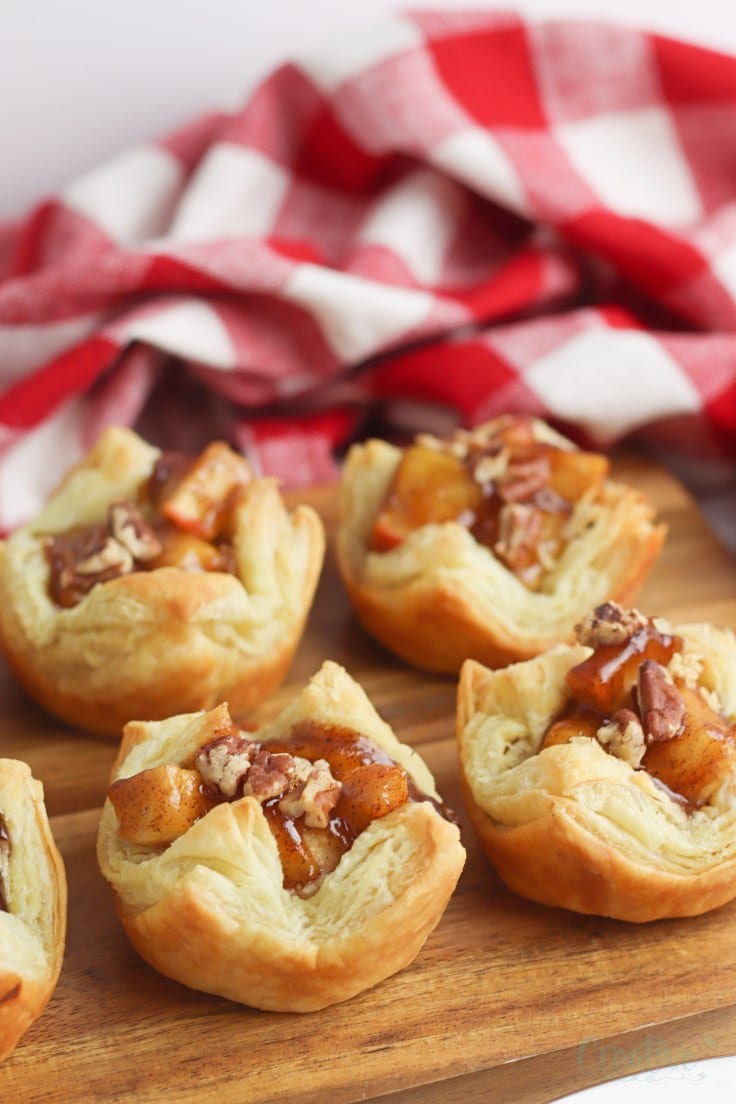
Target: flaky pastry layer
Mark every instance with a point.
(153, 643)
(33, 929)
(441, 597)
(211, 910)
(576, 827)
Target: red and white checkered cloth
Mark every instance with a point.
(441, 217)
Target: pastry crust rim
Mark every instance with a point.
(287, 976)
(314, 965)
(433, 619)
(24, 998)
(556, 859)
(160, 633)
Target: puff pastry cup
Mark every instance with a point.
(601, 777)
(491, 544)
(32, 904)
(255, 897)
(122, 600)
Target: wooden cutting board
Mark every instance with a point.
(508, 1001)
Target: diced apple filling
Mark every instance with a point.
(625, 696)
(156, 806)
(319, 789)
(513, 491)
(182, 518)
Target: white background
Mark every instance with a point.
(81, 80)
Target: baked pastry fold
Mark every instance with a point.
(441, 596)
(32, 904)
(210, 909)
(574, 825)
(153, 642)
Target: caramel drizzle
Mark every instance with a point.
(604, 686)
(66, 551)
(344, 749)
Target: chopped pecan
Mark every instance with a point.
(234, 766)
(106, 562)
(523, 478)
(269, 775)
(81, 559)
(519, 529)
(132, 531)
(660, 703)
(314, 797)
(224, 763)
(491, 464)
(623, 736)
(609, 623)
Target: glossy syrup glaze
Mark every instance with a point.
(605, 690)
(184, 512)
(513, 491)
(372, 785)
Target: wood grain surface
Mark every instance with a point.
(508, 1001)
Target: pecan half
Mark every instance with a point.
(660, 703)
(609, 623)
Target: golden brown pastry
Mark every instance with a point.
(602, 777)
(32, 904)
(490, 544)
(287, 868)
(152, 584)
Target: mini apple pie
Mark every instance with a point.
(601, 777)
(152, 583)
(287, 868)
(490, 544)
(32, 904)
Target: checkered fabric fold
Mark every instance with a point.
(441, 217)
